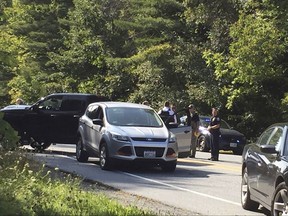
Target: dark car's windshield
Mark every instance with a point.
(126, 116)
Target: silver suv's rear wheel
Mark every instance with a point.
(81, 154)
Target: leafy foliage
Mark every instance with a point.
(8, 136)
(28, 189)
(252, 74)
(226, 53)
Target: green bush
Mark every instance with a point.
(8, 136)
(26, 190)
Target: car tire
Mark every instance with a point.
(246, 201)
(202, 144)
(238, 151)
(279, 203)
(81, 154)
(39, 145)
(169, 166)
(105, 160)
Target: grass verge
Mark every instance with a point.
(27, 189)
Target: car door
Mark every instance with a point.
(267, 166)
(183, 135)
(89, 126)
(66, 120)
(93, 131)
(260, 165)
(39, 121)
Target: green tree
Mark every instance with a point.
(253, 75)
(207, 26)
(33, 31)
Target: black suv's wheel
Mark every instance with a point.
(238, 151)
(169, 166)
(246, 201)
(105, 160)
(81, 154)
(40, 145)
(202, 144)
(280, 200)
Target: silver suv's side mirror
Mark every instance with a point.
(97, 122)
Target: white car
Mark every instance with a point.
(125, 131)
(230, 139)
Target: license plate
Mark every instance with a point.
(149, 154)
(233, 144)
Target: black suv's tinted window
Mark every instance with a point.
(72, 105)
(52, 103)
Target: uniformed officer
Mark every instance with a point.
(214, 129)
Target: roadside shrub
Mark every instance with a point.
(8, 136)
(26, 189)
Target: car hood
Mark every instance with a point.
(230, 132)
(147, 132)
(224, 131)
(15, 108)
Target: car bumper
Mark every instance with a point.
(142, 151)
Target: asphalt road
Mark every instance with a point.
(198, 185)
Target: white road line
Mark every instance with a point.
(183, 189)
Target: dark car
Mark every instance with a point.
(53, 119)
(230, 139)
(265, 171)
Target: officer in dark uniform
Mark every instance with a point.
(214, 129)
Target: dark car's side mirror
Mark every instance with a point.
(270, 149)
(35, 108)
(98, 122)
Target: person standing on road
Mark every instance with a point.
(166, 113)
(214, 129)
(194, 118)
(175, 117)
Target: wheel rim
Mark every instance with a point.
(202, 144)
(103, 156)
(244, 188)
(280, 206)
(40, 145)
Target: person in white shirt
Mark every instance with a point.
(166, 113)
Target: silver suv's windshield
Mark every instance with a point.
(128, 116)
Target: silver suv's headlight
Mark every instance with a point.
(172, 138)
(120, 138)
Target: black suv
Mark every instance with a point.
(53, 119)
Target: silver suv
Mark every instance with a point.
(125, 131)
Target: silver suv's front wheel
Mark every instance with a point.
(169, 166)
(105, 160)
